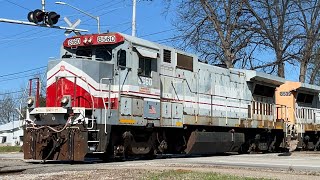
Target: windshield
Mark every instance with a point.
(102, 53)
(84, 53)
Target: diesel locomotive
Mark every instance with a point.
(112, 95)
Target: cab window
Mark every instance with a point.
(84, 53)
(305, 98)
(103, 54)
(147, 61)
(146, 65)
(122, 59)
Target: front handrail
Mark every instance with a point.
(107, 109)
(85, 80)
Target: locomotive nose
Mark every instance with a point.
(55, 143)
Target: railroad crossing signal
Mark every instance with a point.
(76, 31)
(71, 26)
(49, 18)
(52, 18)
(36, 16)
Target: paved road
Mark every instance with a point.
(300, 161)
(11, 155)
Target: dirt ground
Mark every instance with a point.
(147, 172)
(146, 169)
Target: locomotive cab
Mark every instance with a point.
(303, 105)
(87, 93)
(79, 97)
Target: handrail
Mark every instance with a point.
(189, 87)
(85, 80)
(305, 115)
(92, 124)
(107, 110)
(273, 105)
(298, 120)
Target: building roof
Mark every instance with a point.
(9, 126)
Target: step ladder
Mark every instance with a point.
(93, 140)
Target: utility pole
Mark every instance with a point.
(13, 129)
(43, 5)
(134, 6)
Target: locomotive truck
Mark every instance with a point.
(112, 95)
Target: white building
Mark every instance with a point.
(11, 134)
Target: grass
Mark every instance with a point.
(10, 149)
(187, 174)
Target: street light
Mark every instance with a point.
(94, 17)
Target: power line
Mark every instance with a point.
(49, 34)
(12, 92)
(29, 38)
(20, 77)
(95, 10)
(159, 32)
(23, 71)
(17, 5)
(33, 32)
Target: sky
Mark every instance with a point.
(28, 48)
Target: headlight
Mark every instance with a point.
(64, 100)
(30, 101)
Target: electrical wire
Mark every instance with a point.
(18, 5)
(20, 72)
(11, 92)
(19, 77)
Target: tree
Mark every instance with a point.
(315, 66)
(237, 33)
(7, 108)
(211, 28)
(274, 24)
(309, 24)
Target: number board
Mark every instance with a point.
(285, 93)
(93, 39)
(145, 81)
(74, 42)
(106, 39)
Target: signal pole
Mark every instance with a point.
(43, 5)
(134, 6)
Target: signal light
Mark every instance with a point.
(52, 18)
(49, 18)
(36, 16)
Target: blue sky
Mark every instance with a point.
(27, 47)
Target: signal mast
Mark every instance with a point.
(48, 19)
